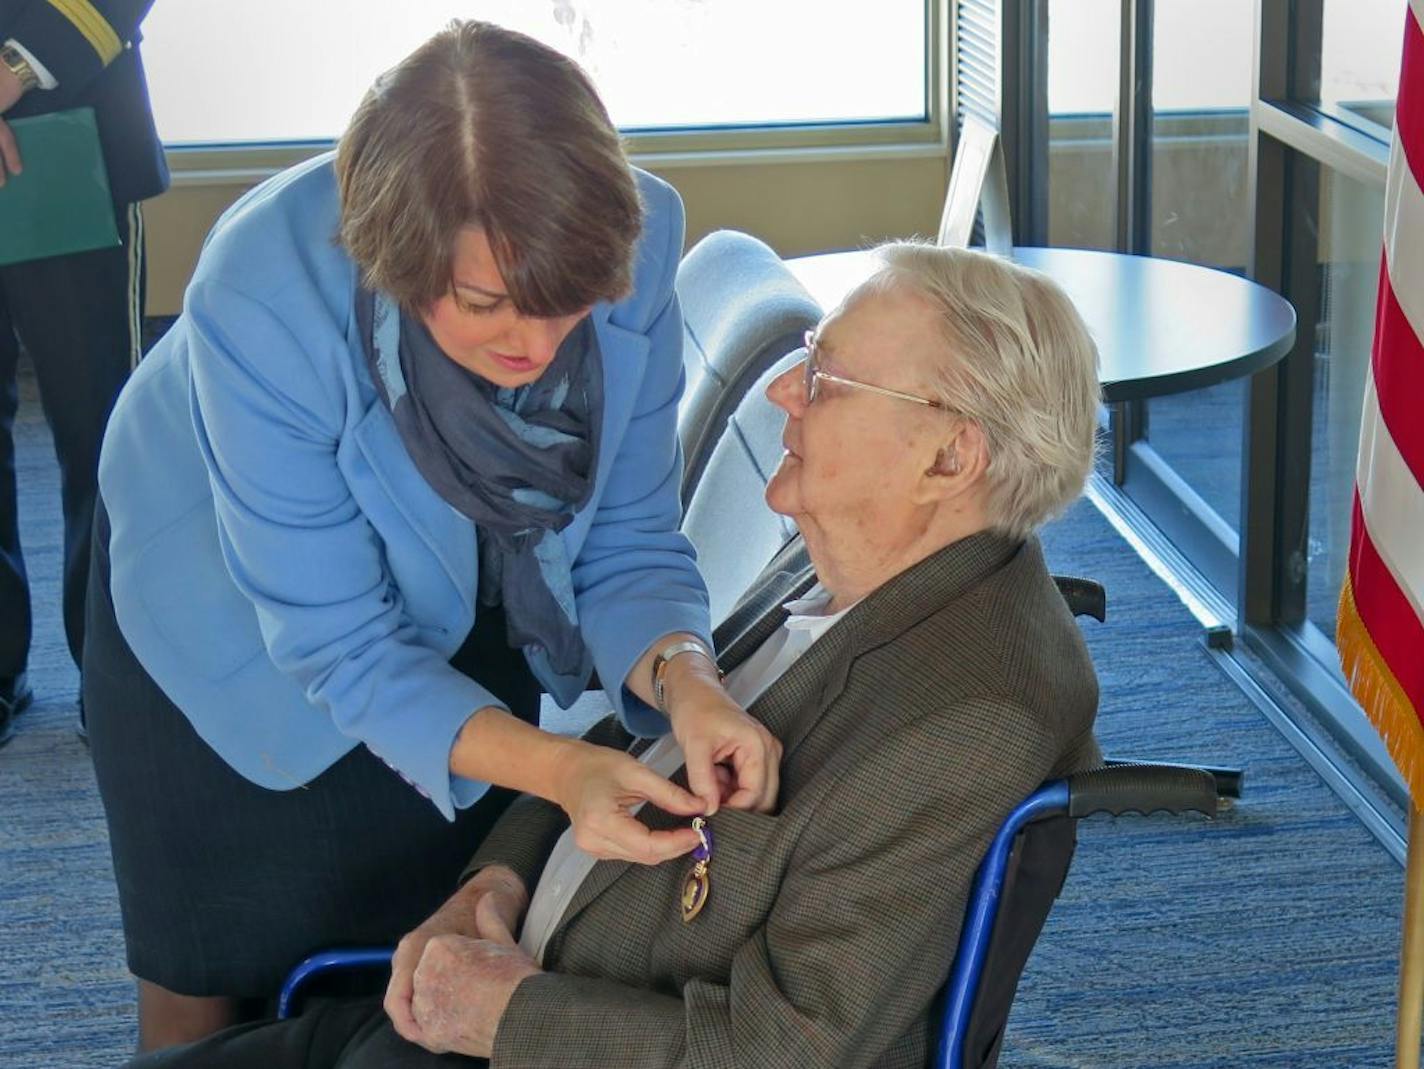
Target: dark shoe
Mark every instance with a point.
(15, 698)
(16, 693)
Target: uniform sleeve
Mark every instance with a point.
(859, 939)
(300, 549)
(635, 578)
(76, 39)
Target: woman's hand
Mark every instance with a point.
(598, 788)
(490, 904)
(732, 759)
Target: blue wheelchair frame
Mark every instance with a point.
(323, 962)
(985, 893)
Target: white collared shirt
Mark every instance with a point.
(568, 866)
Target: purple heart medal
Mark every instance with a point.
(699, 881)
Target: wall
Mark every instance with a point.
(822, 201)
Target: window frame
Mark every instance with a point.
(1250, 589)
(220, 163)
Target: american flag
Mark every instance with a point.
(1380, 633)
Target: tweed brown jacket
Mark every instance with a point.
(910, 729)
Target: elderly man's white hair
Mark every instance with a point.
(1020, 363)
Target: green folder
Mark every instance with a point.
(59, 202)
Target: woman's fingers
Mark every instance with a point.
(758, 777)
(642, 781)
(751, 768)
(701, 778)
(743, 770)
(608, 786)
(726, 782)
(714, 731)
(666, 845)
(625, 838)
(613, 832)
(748, 773)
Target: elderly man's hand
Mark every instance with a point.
(463, 985)
(504, 897)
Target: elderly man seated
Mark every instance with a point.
(923, 677)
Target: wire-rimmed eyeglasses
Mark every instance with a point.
(815, 376)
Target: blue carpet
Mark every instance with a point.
(65, 997)
(1268, 937)
(1265, 938)
(1199, 435)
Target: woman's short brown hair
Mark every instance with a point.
(482, 126)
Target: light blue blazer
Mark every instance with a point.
(280, 567)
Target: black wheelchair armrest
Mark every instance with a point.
(1085, 597)
(1229, 781)
(1131, 788)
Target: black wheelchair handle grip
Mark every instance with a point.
(1119, 789)
(1228, 780)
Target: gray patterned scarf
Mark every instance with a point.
(518, 462)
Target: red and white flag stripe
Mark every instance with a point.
(1381, 621)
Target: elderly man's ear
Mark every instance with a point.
(957, 466)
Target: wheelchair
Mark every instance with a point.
(1014, 887)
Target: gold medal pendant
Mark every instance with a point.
(698, 884)
(694, 892)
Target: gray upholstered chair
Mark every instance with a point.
(742, 309)
(725, 515)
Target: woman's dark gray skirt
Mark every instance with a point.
(224, 885)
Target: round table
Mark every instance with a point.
(1161, 326)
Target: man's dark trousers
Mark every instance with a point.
(78, 318)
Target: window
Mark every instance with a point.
(1264, 151)
(1351, 222)
(274, 71)
(1361, 44)
(1201, 100)
(1201, 213)
(1082, 92)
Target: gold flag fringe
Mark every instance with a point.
(1380, 695)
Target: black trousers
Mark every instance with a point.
(347, 1034)
(79, 317)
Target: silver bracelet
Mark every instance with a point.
(660, 663)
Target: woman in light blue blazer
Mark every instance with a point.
(407, 459)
